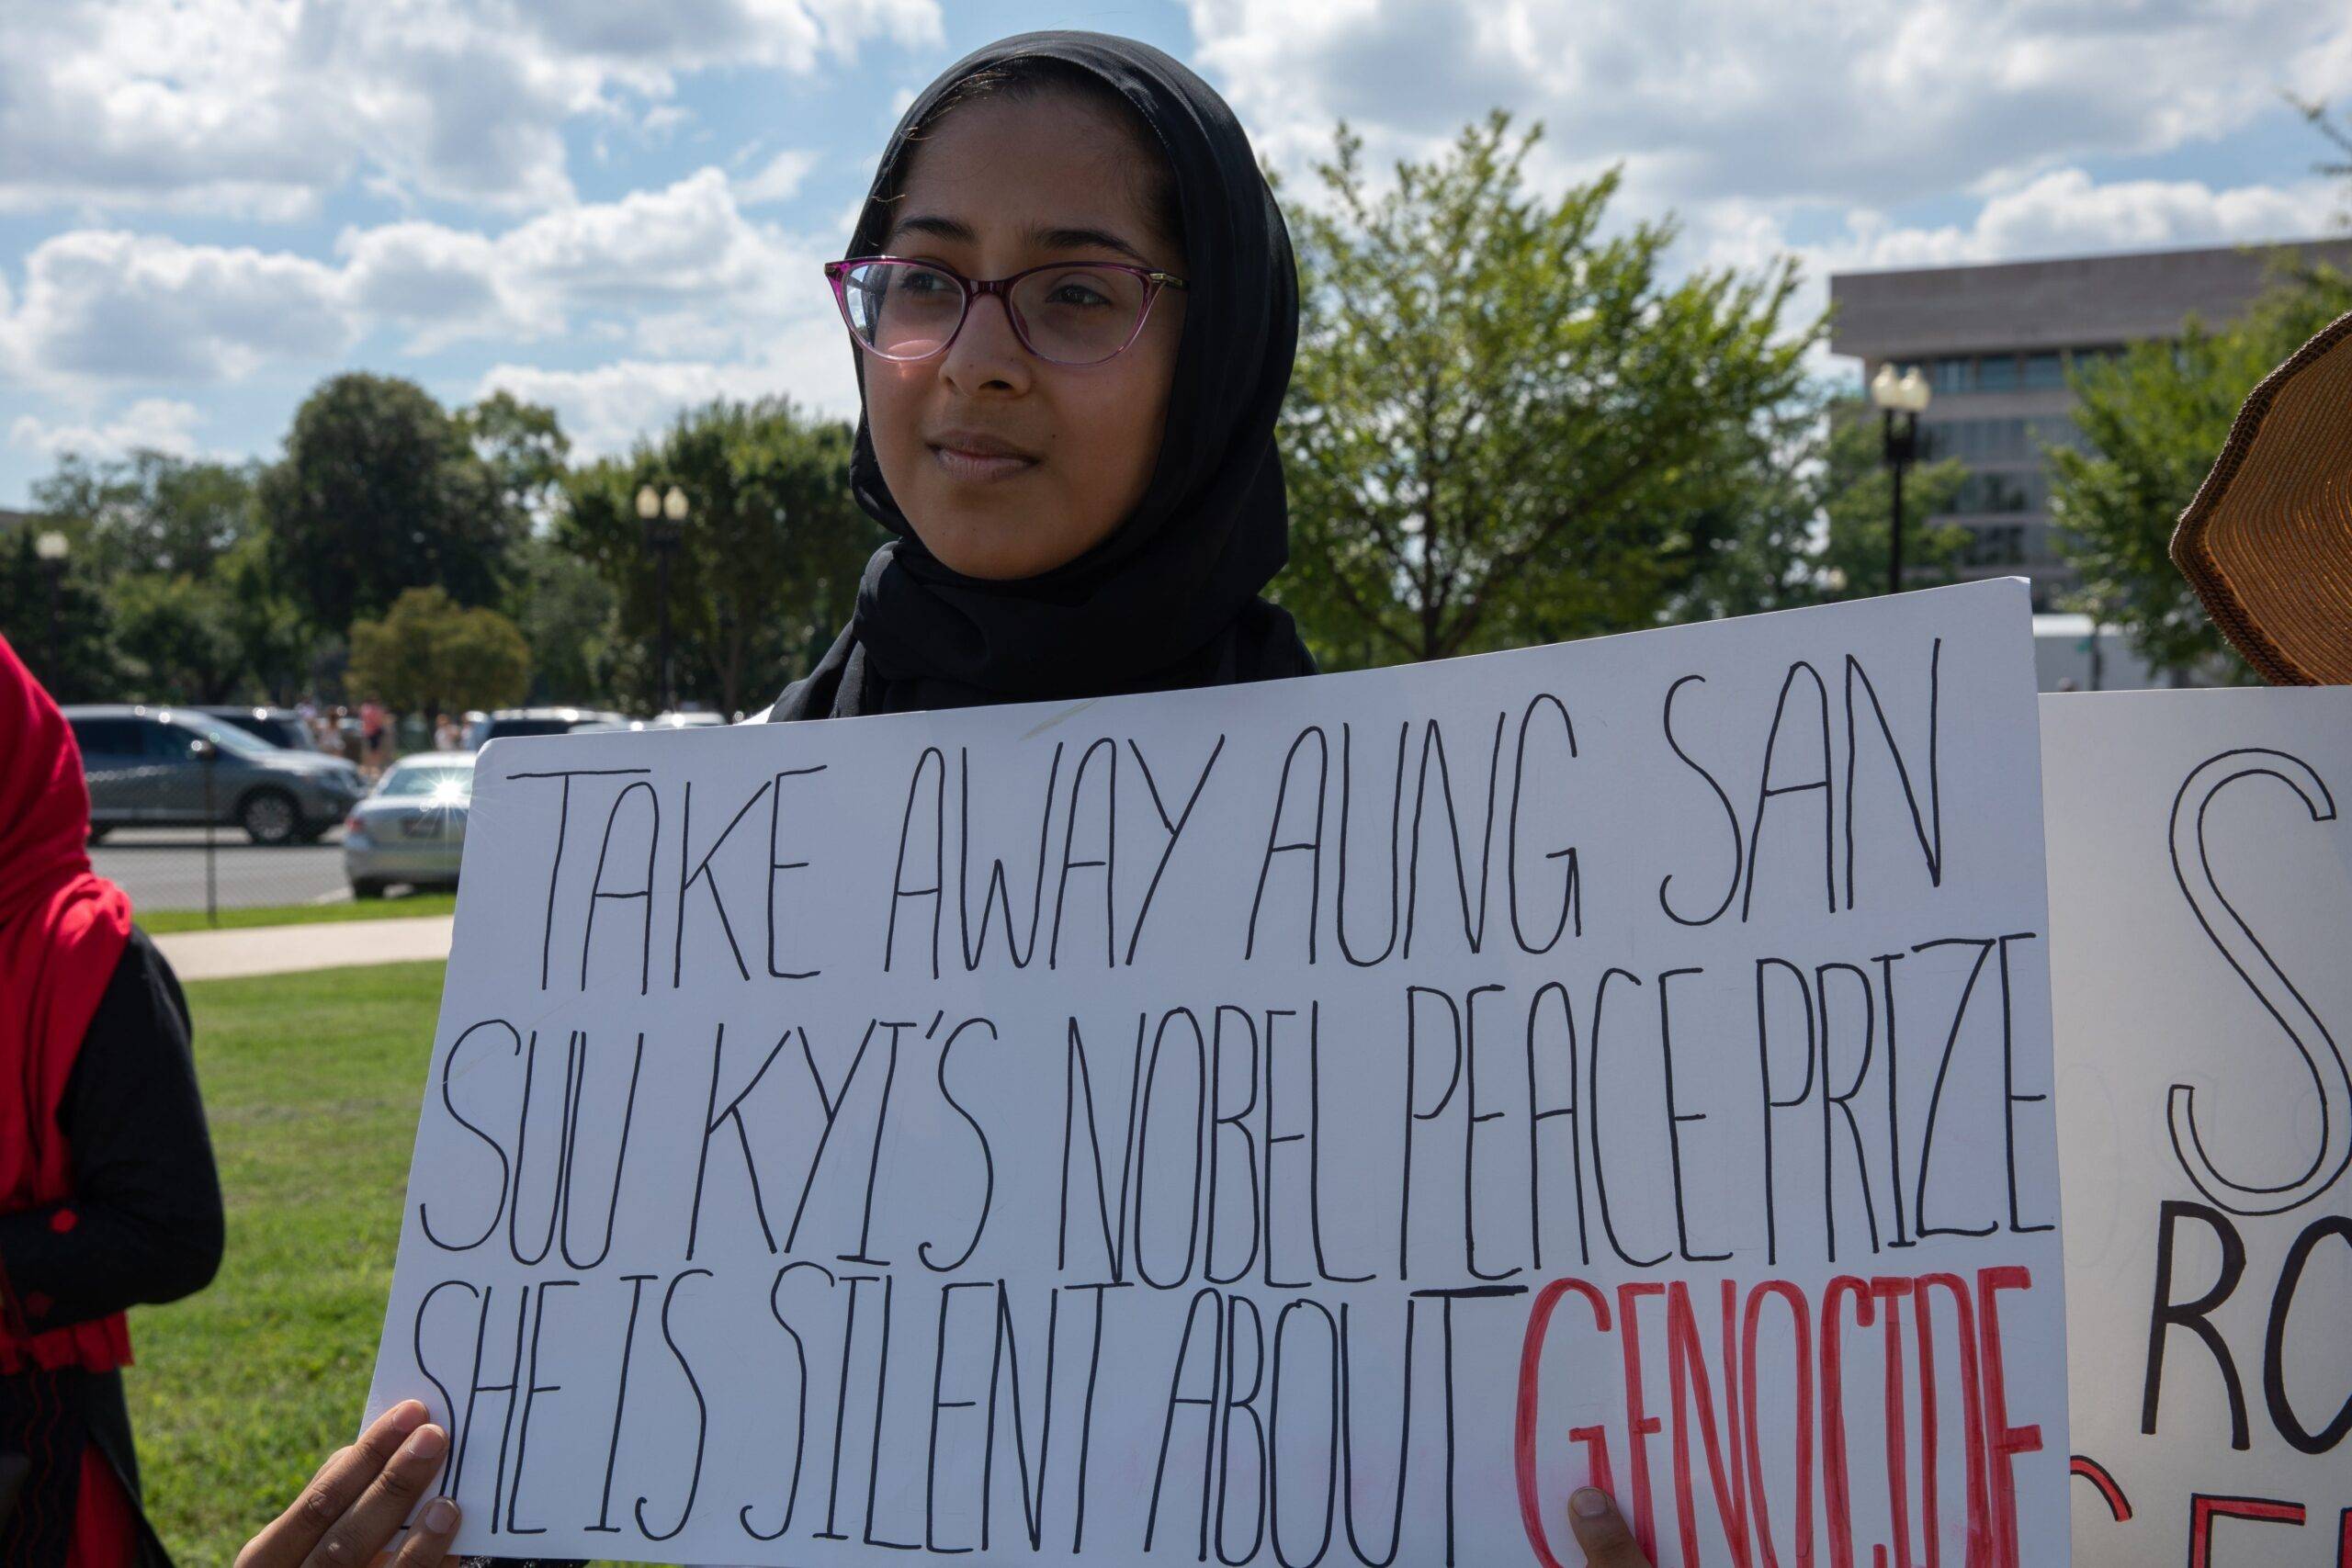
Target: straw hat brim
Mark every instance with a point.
(2268, 541)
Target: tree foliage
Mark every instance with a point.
(430, 654)
(179, 635)
(151, 511)
(767, 564)
(2152, 421)
(1803, 517)
(52, 614)
(173, 546)
(565, 612)
(1506, 424)
(524, 446)
(381, 490)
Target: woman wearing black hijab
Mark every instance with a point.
(1074, 309)
(1068, 131)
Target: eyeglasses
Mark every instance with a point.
(1064, 312)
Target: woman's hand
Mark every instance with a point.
(1602, 1531)
(353, 1506)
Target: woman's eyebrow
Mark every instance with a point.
(1041, 236)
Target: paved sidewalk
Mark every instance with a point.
(330, 944)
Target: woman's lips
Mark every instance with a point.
(980, 466)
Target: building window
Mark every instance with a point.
(1997, 373)
(2042, 370)
(2002, 544)
(2056, 430)
(1995, 440)
(1993, 493)
(1952, 375)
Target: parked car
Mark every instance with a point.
(684, 718)
(145, 765)
(482, 728)
(279, 727)
(412, 827)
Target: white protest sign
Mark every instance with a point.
(1315, 1123)
(2200, 875)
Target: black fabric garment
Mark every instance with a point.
(144, 1226)
(1170, 599)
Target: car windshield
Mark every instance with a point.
(227, 736)
(439, 781)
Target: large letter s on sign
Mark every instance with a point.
(2263, 977)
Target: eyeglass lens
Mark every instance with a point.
(1073, 315)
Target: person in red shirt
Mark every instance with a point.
(108, 1191)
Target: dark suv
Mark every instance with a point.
(145, 766)
(279, 727)
(482, 728)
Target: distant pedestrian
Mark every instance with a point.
(446, 735)
(374, 729)
(107, 1193)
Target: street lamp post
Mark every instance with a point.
(52, 547)
(1901, 400)
(664, 516)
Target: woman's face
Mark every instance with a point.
(987, 195)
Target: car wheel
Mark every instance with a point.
(269, 817)
(367, 887)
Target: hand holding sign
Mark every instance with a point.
(354, 1507)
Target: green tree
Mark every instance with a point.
(180, 635)
(278, 650)
(524, 446)
(176, 548)
(565, 612)
(767, 565)
(1506, 425)
(2152, 420)
(1857, 500)
(381, 490)
(1801, 518)
(151, 511)
(52, 613)
(432, 655)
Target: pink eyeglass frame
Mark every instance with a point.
(837, 273)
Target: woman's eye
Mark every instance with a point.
(1071, 291)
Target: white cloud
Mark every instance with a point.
(1753, 118)
(679, 271)
(102, 305)
(607, 408)
(777, 180)
(161, 424)
(261, 107)
(2061, 213)
(1847, 101)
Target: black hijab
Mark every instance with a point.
(1170, 599)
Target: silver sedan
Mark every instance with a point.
(412, 828)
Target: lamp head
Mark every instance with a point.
(649, 502)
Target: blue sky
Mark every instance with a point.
(619, 207)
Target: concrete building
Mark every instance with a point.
(1996, 343)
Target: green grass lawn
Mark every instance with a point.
(312, 1083)
(157, 921)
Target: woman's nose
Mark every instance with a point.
(987, 351)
